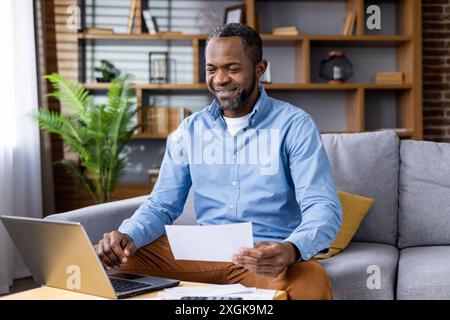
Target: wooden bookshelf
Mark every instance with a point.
(406, 41)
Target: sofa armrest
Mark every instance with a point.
(106, 217)
(101, 218)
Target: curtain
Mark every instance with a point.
(20, 168)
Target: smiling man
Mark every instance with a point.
(293, 205)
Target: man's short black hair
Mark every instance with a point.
(250, 38)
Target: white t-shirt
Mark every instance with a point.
(236, 124)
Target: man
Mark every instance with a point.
(247, 157)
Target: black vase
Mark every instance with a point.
(336, 68)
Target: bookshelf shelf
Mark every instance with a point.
(267, 86)
(326, 86)
(150, 86)
(339, 38)
(134, 36)
(264, 37)
(163, 136)
(151, 136)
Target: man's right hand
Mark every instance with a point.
(115, 248)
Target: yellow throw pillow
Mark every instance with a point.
(354, 209)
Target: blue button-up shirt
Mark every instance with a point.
(274, 173)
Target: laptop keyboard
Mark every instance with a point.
(120, 285)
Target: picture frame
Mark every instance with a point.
(234, 14)
(159, 67)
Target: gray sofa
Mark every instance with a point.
(402, 248)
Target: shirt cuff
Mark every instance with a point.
(133, 233)
(304, 245)
(298, 255)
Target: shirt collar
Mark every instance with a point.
(215, 111)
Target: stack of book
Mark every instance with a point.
(389, 77)
(163, 121)
(98, 31)
(349, 23)
(286, 31)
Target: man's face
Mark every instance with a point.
(230, 73)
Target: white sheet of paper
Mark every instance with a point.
(209, 243)
(232, 290)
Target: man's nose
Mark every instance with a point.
(221, 77)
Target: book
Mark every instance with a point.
(176, 115)
(138, 16)
(155, 24)
(131, 16)
(389, 77)
(289, 30)
(352, 23)
(162, 120)
(286, 33)
(149, 22)
(392, 129)
(349, 22)
(153, 171)
(345, 23)
(389, 82)
(165, 120)
(170, 33)
(99, 31)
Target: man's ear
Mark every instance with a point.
(261, 68)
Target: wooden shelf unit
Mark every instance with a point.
(407, 44)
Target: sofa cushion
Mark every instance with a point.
(424, 273)
(367, 164)
(424, 193)
(354, 209)
(352, 271)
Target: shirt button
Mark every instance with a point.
(234, 156)
(234, 183)
(231, 206)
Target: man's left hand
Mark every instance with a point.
(267, 258)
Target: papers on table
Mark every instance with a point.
(232, 290)
(209, 243)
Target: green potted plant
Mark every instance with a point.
(97, 133)
(107, 70)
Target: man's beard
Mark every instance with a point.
(241, 96)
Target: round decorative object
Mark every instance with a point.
(336, 68)
(207, 20)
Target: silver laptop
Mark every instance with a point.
(59, 254)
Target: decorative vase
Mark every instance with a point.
(336, 68)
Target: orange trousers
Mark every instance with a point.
(301, 280)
